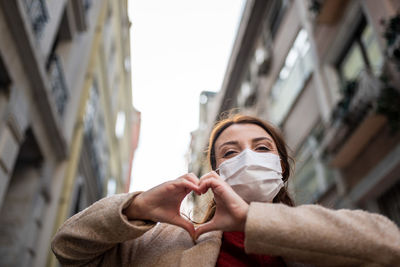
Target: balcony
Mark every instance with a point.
(354, 121)
(59, 88)
(38, 15)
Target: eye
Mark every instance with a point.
(262, 148)
(229, 153)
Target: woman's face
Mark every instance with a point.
(238, 137)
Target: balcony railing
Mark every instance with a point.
(59, 88)
(38, 14)
(354, 122)
(359, 97)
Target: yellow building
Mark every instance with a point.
(66, 117)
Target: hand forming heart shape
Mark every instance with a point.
(162, 204)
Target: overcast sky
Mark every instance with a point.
(179, 48)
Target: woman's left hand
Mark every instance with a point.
(231, 209)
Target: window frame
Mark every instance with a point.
(306, 75)
(356, 39)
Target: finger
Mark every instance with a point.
(207, 177)
(185, 224)
(205, 184)
(220, 189)
(191, 178)
(188, 186)
(205, 228)
(210, 174)
(209, 181)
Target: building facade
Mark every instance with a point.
(67, 124)
(199, 136)
(327, 75)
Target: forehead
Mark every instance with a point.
(241, 133)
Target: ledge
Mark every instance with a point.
(358, 139)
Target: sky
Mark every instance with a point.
(178, 48)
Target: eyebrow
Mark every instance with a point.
(257, 139)
(262, 139)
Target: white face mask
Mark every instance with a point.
(253, 175)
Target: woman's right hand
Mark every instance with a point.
(162, 203)
(231, 209)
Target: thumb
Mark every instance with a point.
(204, 228)
(185, 224)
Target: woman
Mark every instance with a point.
(252, 221)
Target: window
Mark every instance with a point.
(79, 195)
(362, 53)
(312, 178)
(248, 91)
(120, 124)
(305, 183)
(38, 14)
(111, 186)
(24, 193)
(91, 107)
(5, 80)
(292, 77)
(5, 83)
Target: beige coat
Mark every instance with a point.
(102, 236)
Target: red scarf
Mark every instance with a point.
(232, 253)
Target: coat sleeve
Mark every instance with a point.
(101, 229)
(321, 236)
